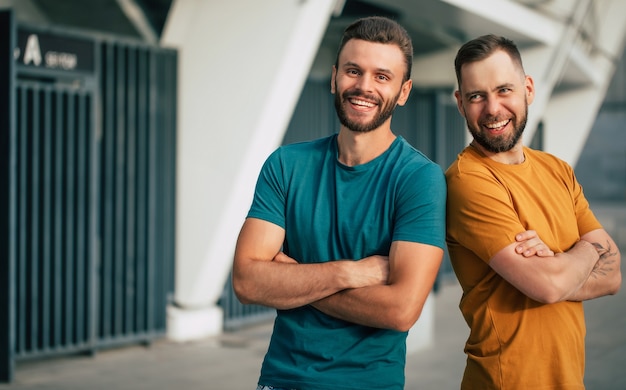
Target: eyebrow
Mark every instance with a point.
(379, 70)
(505, 85)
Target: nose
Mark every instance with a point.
(492, 105)
(364, 83)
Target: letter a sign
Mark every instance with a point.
(32, 53)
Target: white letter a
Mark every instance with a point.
(32, 52)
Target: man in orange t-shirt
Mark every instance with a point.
(523, 242)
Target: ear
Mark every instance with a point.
(459, 102)
(333, 77)
(405, 91)
(530, 89)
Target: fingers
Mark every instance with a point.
(527, 235)
(532, 245)
(540, 250)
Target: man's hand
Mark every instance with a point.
(375, 270)
(530, 245)
(546, 280)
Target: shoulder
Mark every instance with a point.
(410, 159)
(546, 159)
(307, 146)
(301, 152)
(414, 174)
(469, 166)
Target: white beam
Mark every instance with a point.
(570, 115)
(137, 17)
(515, 16)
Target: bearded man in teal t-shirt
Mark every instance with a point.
(345, 234)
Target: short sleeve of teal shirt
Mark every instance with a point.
(331, 211)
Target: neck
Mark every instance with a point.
(359, 148)
(511, 157)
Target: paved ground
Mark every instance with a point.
(232, 361)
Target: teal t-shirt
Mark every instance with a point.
(331, 211)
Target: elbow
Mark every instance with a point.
(616, 284)
(401, 326)
(403, 319)
(549, 295)
(615, 278)
(547, 298)
(241, 295)
(242, 291)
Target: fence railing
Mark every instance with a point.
(88, 168)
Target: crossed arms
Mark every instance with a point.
(377, 291)
(590, 269)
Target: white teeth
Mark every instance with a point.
(361, 103)
(496, 125)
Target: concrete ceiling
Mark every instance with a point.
(435, 25)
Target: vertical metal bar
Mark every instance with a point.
(164, 184)
(47, 220)
(131, 184)
(170, 185)
(159, 196)
(152, 193)
(95, 137)
(34, 218)
(22, 221)
(69, 223)
(142, 193)
(120, 177)
(57, 268)
(8, 230)
(108, 186)
(81, 226)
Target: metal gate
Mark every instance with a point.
(88, 165)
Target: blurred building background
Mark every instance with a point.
(250, 75)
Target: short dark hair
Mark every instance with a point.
(380, 30)
(482, 47)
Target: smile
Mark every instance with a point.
(497, 125)
(362, 103)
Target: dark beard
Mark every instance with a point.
(378, 120)
(502, 143)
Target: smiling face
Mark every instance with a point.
(368, 84)
(493, 98)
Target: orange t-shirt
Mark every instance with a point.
(515, 342)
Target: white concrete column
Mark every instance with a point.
(242, 65)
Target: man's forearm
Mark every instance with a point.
(397, 304)
(372, 306)
(285, 284)
(605, 277)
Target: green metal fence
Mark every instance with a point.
(87, 207)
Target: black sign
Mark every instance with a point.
(54, 52)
